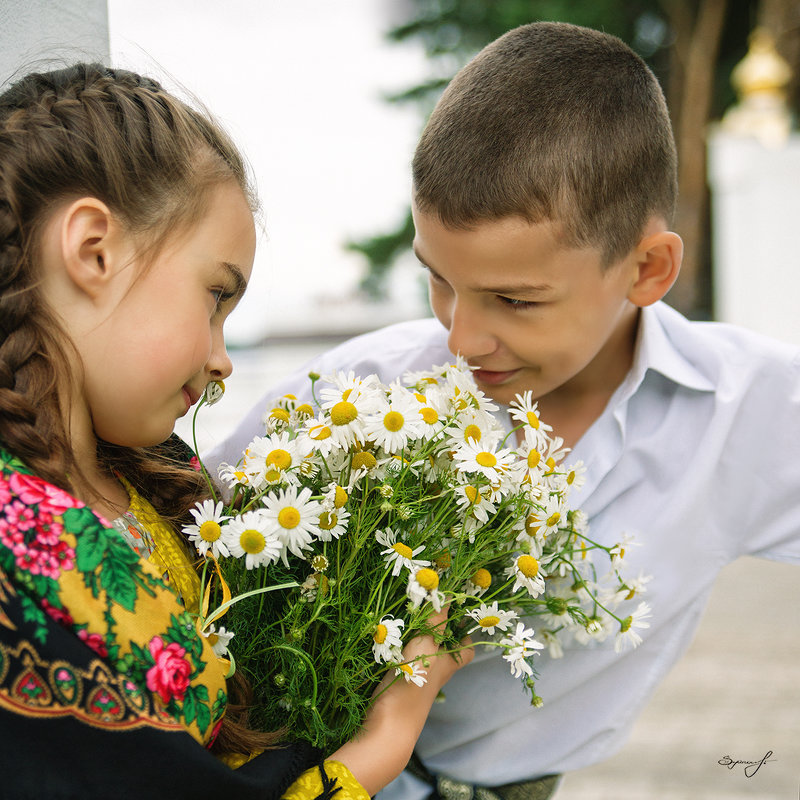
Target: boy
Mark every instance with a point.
(544, 186)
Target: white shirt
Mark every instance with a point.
(697, 456)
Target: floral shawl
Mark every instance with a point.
(106, 688)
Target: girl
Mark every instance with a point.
(126, 239)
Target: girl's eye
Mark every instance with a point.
(220, 296)
(517, 305)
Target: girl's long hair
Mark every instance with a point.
(153, 160)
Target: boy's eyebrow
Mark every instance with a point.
(237, 276)
(518, 288)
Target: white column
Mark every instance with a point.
(45, 34)
(755, 196)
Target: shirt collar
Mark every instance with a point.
(656, 351)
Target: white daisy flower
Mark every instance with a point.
(213, 392)
(332, 524)
(231, 476)
(316, 436)
(628, 635)
(527, 574)
(251, 535)
(524, 409)
(491, 617)
(395, 421)
(553, 644)
(617, 552)
(218, 639)
(474, 501)
(479, 583)
(294, 518)
(491, 463)
(412, 672)
(520, 646)
(207, 532)
(597, 629)
(548, 519)
(268, 459)
(387, 641)
(475, 427)
(423, 584)
(398, 554)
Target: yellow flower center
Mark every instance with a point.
(551, 463)
(272, 475)
(528, 566)
(240, 476)
(343, 413)
(290, 396)
(486, 459)
(533, 420)
(320, 563)
(571, 477)
(393, 421)
(210, 531)
(252, 541)
(339, 497)
(427, 579)
(280, 413)
(346, 394)
(319, 432)
(473, 494)
(288, 517)
(443, 560)
(534, 457)
(472, 432)
(363, 459)
(420, 397)
(625, 625)
(280, 459)
(482, 578)
(304, 410)
(429, 415)
(406, 668)
(532, 525)
(380, 633)
(402, 550)
(489, 622)
(554, 518)
(328, 520)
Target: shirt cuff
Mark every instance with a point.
(329, 780)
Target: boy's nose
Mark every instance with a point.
(468, 333)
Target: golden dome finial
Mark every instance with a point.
(760, 80)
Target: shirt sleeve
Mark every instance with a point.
(328, 780)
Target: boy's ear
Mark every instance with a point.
(90, 245)
(658, 262)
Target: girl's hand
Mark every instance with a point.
(380, 751)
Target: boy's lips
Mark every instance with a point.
(492, 377)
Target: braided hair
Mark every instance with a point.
(89, 130)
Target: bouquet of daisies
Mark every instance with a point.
(373, 508)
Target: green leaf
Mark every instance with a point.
(203, 717)
(189, 706)
(91, 536)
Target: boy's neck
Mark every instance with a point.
(574, 406)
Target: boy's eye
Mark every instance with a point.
(517, 305)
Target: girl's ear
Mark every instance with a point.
(658, 262)
(91, 245)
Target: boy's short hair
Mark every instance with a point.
(552, 122)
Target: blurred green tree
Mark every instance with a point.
(692, 48)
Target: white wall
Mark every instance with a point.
(756, 221)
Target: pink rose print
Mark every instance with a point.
(31, 489)
(169, 676)
(95, 641)
(5, 492)
(194, 463)
(60, 615)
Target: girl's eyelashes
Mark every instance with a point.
(221, 295)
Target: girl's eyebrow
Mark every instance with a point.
(237, 276)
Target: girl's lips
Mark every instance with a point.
(492, 378)
(190, 397)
